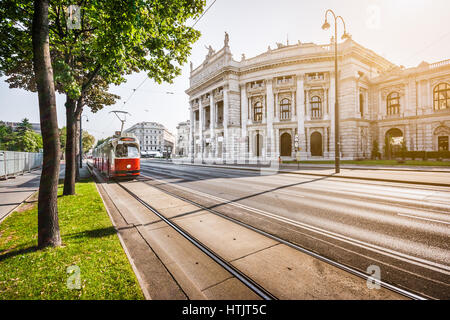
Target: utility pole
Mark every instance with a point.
(81, 139)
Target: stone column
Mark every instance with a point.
(308, 143)
(244, 116)
(277, 110)
(277, 144)
(301, 115)
(381, 110)
(428, 145)
(212, 126)
(406, 100)
(407, 137)
(200, 129)
(293, 106)
(429, 97)
(419, 95)
(332, 109)
(225, 151)
(191, 134)
(308, 107)
(366, 103)
(269, 124)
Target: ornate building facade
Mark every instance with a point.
(183, 138)
(282, 102)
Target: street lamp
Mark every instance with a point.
(326, 26)
(81, 139)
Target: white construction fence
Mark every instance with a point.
(13, 162)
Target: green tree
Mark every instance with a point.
(23, 126)
(100, 141)
(7, 137)
(115, 39)
(29, 141)
(375, 150)
(404, 149)
(63, 137)
(88, 141)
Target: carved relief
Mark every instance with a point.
(207, 72)
(388, 90)
(317, 92)
(436, 81)
(442, 130)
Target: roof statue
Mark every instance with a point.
(226, 40)
(210, 51)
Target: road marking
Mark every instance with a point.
(416, 217)
(389, 252)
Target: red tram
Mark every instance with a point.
(118, 157)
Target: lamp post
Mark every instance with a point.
(81, 139)
(326, 26)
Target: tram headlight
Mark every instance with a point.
(128, 166)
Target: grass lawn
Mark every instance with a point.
(89, 242)
(418, 163)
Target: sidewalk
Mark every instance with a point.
(290, 166)
(13, 192)
(432, 178)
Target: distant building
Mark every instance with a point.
(36, 127)
(169, 143)
(153, 137)
(182, 145)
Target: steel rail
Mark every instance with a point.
(247, 281)
(341, 266)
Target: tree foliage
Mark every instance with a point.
(88, 141)
(23, 139)
(100, 141)
(115, 38)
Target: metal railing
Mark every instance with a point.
(14, 162)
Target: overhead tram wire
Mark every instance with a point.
(128, 99)
(203, 13)
(428, 46)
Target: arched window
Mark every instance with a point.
(442, 97)
(316, 107)
(393, 103)
(285, 109)
(257, 112)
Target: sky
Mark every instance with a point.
(406, 32)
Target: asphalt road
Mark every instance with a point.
(403, 229)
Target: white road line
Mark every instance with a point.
(389, 252)
(416, 217)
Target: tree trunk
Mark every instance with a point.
(48, 225)
(71, 163)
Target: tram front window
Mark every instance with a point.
(127, 151)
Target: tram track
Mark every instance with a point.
(246, 278)
(247, 281)
(353, 271)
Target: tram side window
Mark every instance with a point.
(127, 151)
